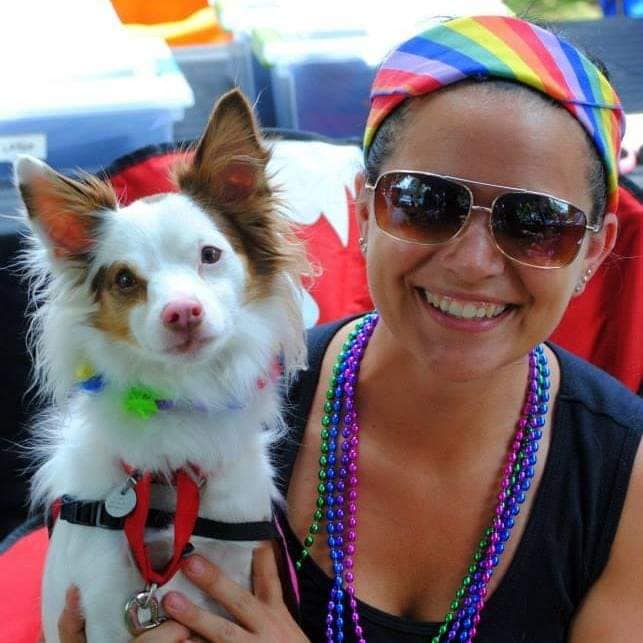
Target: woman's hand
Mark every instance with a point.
(260, 616)
(71, 625)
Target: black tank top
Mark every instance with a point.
(597, 428)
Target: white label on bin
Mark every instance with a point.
(11, 147)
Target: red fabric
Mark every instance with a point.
(151, 175)
(605, 324)
(340, 289)
(21, 569)
(55, 510)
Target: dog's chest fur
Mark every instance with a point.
(229, 448)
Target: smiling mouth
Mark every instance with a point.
(460, 309)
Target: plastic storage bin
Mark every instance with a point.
(212, 70)
(88, 121)
(329, 96)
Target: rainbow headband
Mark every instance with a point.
(511, 49)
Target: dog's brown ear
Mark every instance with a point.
(230, 160)
(64, 212)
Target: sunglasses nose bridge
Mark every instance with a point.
(483, 209)
(492, 236)
(467, 222)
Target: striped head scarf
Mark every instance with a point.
(511, 49)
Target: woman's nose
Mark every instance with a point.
(473, 254)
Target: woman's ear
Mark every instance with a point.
(361, 204)
(600, 246)
(602, 243)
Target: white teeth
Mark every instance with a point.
(469, 311)
(455, 308)
(464, 309)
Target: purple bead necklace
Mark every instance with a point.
(336, 503)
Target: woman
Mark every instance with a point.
(452, 461)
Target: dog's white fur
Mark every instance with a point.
(84, 437)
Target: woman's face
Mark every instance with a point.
(498, 137)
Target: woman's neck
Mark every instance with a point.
(433, 414)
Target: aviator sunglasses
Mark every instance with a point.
(537, 230)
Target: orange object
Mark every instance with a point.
(145, 12)
(180, 22)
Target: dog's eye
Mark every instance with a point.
(210, 254)
(125, 279)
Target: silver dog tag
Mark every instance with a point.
(142, 612)
(121, 500)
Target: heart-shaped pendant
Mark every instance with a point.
(142, 612)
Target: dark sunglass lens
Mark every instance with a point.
(420, 208)
(538, 230)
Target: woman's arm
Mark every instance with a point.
(612, 612)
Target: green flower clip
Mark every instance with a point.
(141, 402)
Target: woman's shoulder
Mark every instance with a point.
(587, 391)
(298, 399)
(599, 476)
(320, 336)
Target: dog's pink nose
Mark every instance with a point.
(182, 314)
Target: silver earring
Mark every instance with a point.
(580, 286)
(362, 245)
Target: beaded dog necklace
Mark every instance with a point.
(145, 402)
(337, 493)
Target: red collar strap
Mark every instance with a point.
(134, 523)
(187, 510)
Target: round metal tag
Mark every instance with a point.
(120, 501)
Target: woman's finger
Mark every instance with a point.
(265, 576)
(71, 624)
(237, 600)
(211, 626)
(168, 632)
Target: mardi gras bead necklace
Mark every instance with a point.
(336, 504)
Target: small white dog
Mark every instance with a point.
(156, 338)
